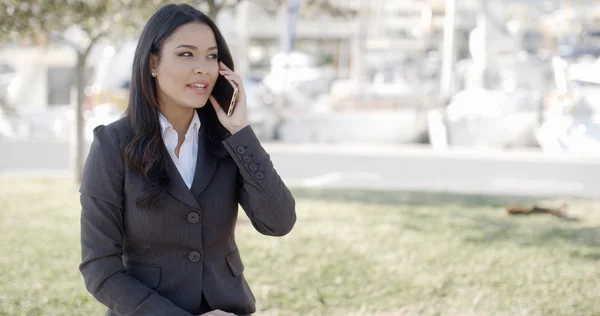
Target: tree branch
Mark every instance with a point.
(93, 41)
(60, 38)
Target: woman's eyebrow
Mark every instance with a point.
(187, 46)
(194, 47)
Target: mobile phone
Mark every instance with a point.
(231, 89)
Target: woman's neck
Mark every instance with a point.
(180, 117)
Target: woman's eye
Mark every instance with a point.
(213, 56)
(186, 54)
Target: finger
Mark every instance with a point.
(238, 82)
(225, 71)
(229, 73)
(234, 78)
(223, 66)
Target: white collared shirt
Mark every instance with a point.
(188, 153)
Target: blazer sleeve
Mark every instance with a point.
(101, 196)
(262, 194)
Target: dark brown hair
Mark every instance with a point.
(146, 152)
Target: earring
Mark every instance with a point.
(153, 74)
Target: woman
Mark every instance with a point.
(161, 186)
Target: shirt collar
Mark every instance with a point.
(166, 125)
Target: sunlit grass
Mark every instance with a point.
(351, 253)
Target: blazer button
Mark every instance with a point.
(246, 159)
(259, 175)
(253, 167)
(193, 217)
(241, 150)
(194, 256)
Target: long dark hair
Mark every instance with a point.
(146, 152)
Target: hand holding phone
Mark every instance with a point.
(229, 101)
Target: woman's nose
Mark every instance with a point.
(201, 70)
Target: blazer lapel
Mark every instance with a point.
(206, 165)
(177, 187)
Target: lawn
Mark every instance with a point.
(351, 253)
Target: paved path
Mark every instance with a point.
(379, 167)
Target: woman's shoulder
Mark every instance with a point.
(115, 133)
(103, 171)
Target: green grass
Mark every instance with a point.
(351, 253)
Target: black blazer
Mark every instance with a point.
(160, 261)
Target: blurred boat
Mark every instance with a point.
(571, 122)
(487, 118)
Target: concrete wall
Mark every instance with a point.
(30, 91)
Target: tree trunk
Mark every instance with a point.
(79, 136)
(80, 143)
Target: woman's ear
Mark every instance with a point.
(153, 63)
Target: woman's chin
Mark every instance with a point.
(196, 104)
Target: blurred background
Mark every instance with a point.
(476, 97)
(430, 75)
